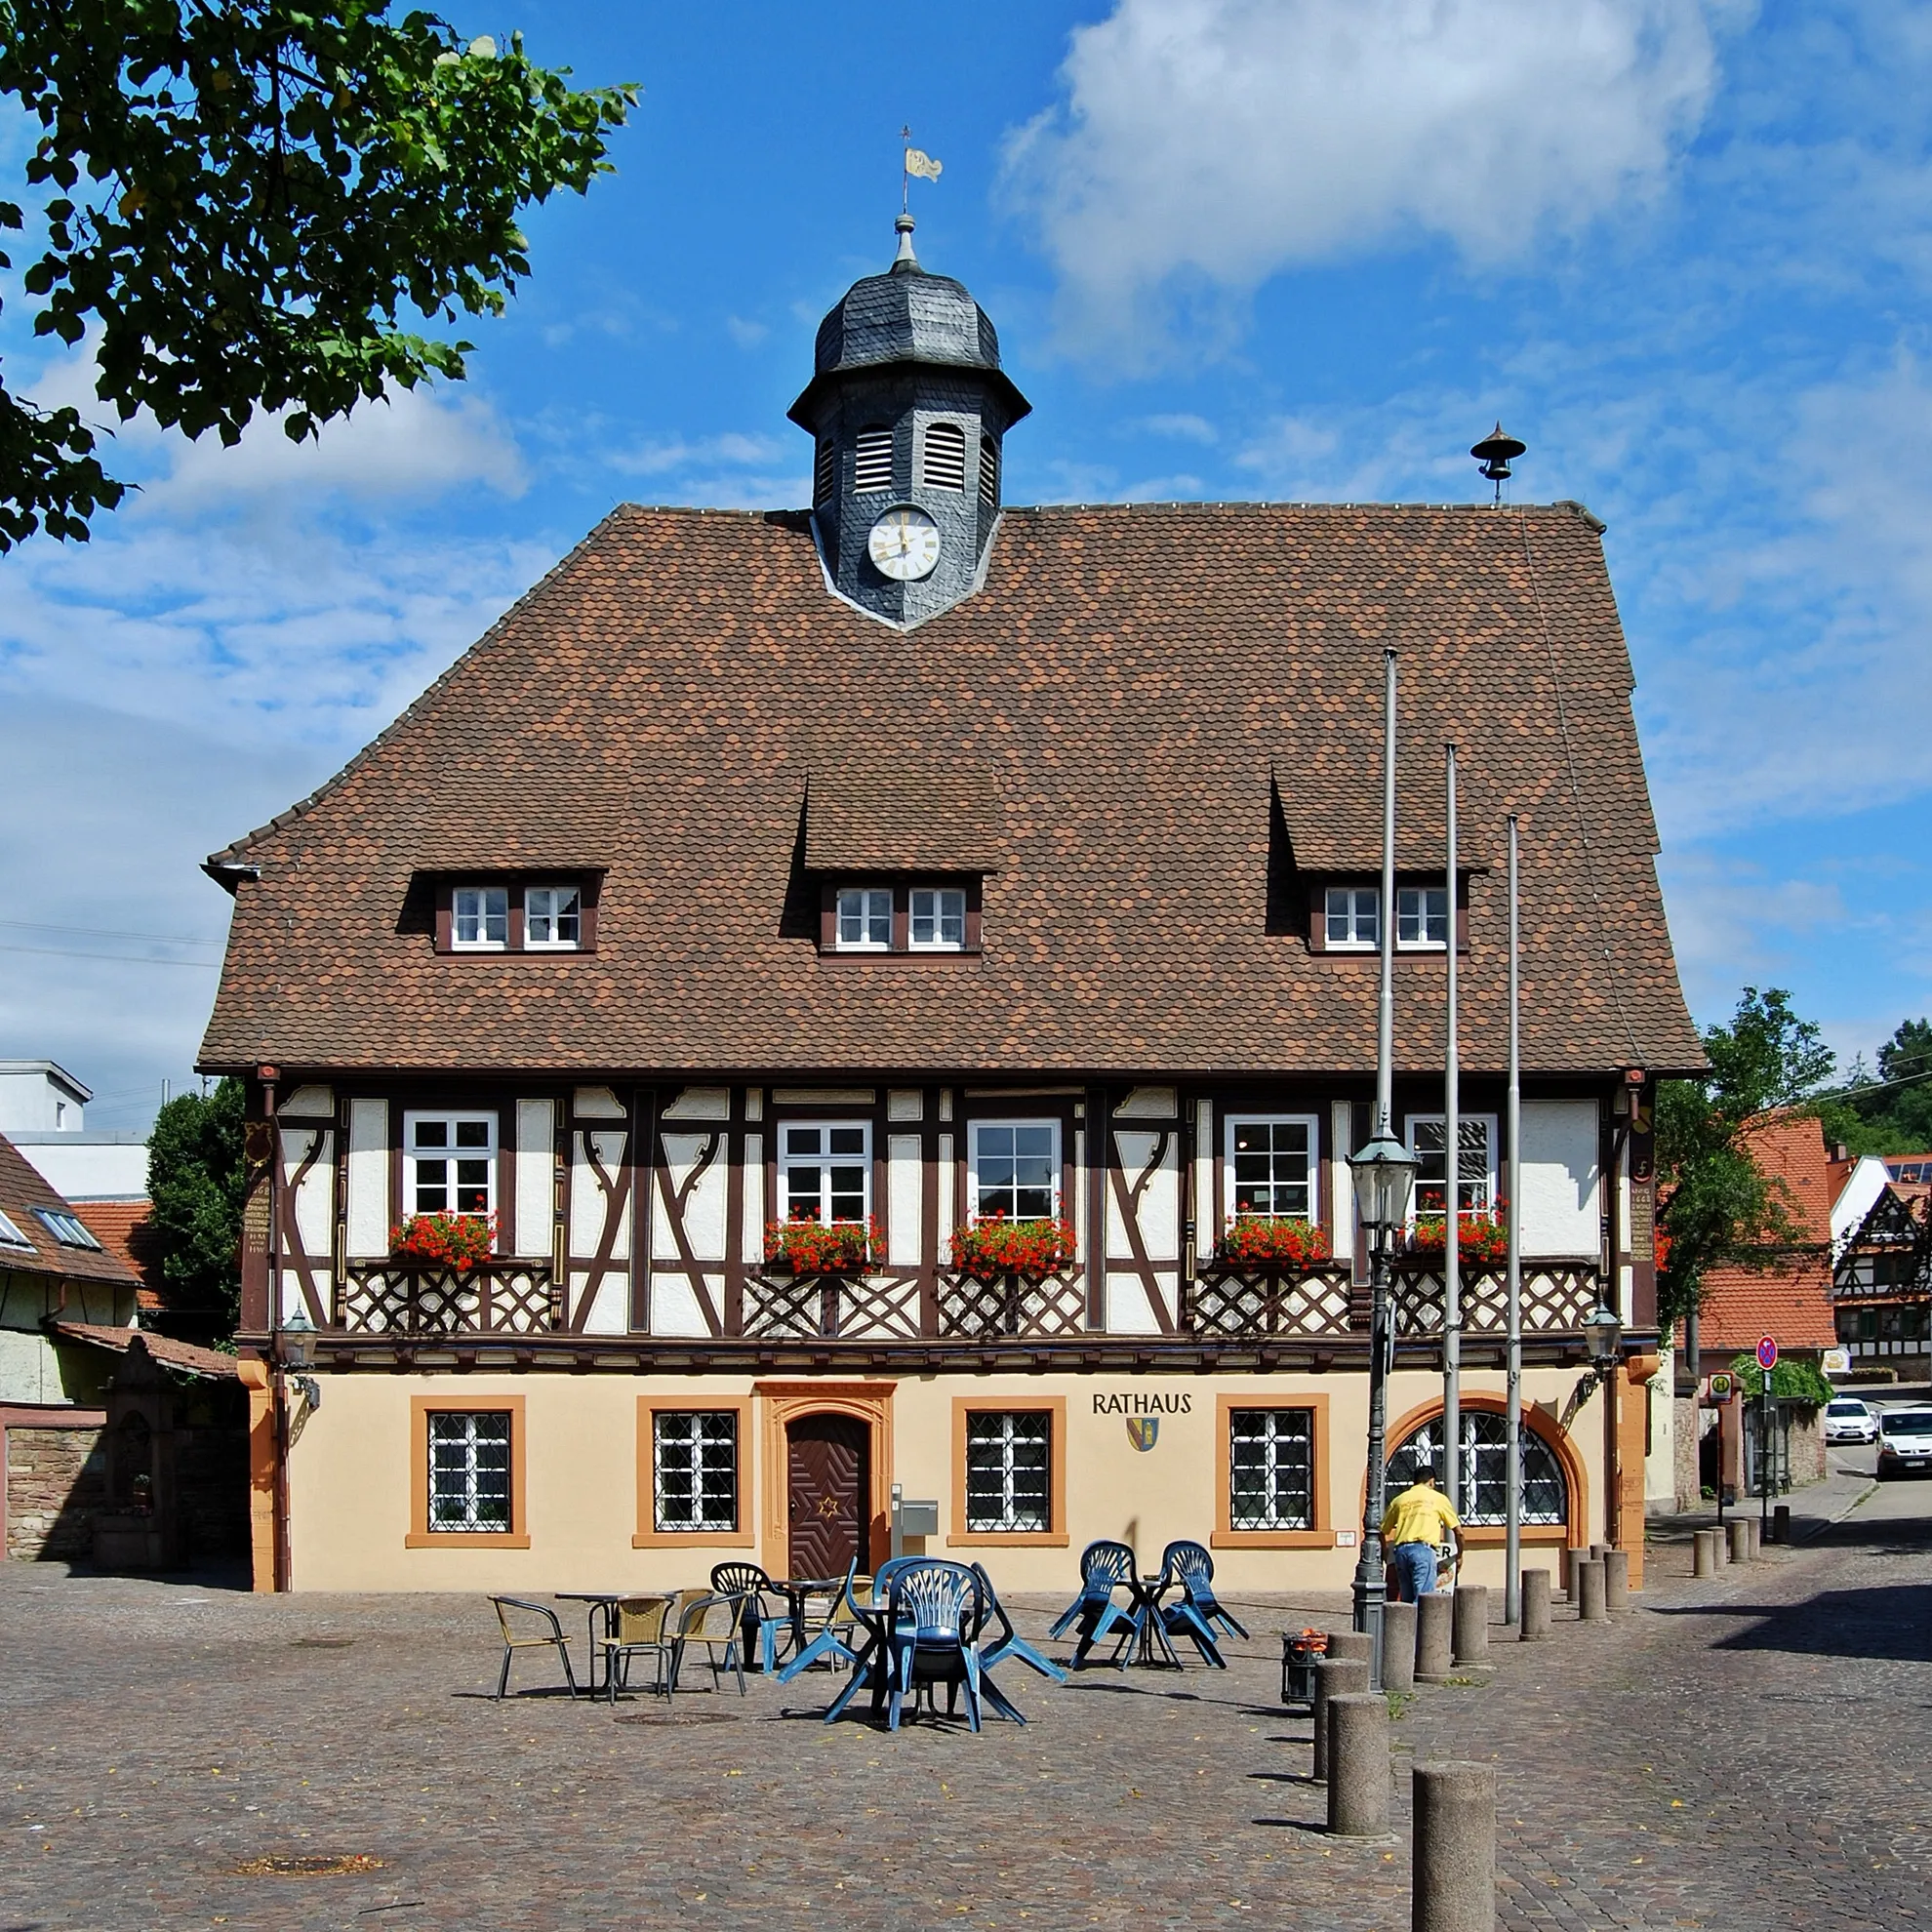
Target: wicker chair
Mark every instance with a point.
(515, 1618)
(714, 1621)
(641, 1627)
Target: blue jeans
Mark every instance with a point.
(1415, 1570)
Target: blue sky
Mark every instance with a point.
(1236, 249)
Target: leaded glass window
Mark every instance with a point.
(695, 1457)
(469, 1470)
(1270, 1469)
(1009, 1469)
(1485, 1485)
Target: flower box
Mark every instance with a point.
(1484, 1238)
(811, 1247)
(993, 1247)
(1273, 1240)
(458, 1241)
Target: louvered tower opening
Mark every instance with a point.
(872, 467)
(988, 472)
(825, 471)
(944, 467)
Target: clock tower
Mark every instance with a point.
(907, 406)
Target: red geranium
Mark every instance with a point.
(1483, 1235)
(993, 1246)
(445, 1240)
(812, 1247)
(1273, 1240)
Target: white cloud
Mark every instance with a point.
(746, 335)
(1182, 428)
(1219, 141)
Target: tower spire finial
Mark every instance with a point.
(905, 262)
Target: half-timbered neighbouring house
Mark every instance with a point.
(896, 865)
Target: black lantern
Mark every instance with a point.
(1384, 1178)
(1604, 1326)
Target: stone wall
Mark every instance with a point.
(57, 1478)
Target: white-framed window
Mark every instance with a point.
(1014, 1169)
(450, 1163)
(479, 918)
(1422, 918)
(469, 1471)
(865, 919)
(1475, 1169)
(1270, 1469)
(939, 919)
(694, 1459)
(1270, 1165)
(1351, 922)
(552, 918)
(1009, 1471)
(825, 1171)
(10, 1236)
(872, 461)
(66, 1228)
(944, 467)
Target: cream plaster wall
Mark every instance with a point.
(350, 1475)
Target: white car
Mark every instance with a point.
(1905, 1441)
(1848, 1420)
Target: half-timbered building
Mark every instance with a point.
(896, 864)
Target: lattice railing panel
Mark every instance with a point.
(1557, 1296)
(507, 1298)
(859, 1308)
(1012, 1306)
(1224, 1301)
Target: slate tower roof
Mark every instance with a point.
(908, 408)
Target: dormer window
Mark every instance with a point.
(871, 463)
(552, 918)
(945, 463)
(937, 919)
(479, 918)
(865, 919)
(1421, 918)
(1352, 918)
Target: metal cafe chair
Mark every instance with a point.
(1010, 1643)
(716, 1622)
(1104, 1566)
(640, 1626)
(767, 1627)
(1193, 1568)
(831, 1641)
(513, 1613)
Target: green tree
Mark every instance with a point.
(195, 1179)
(1894, 1115)
(1718, 1204)
(239, 199)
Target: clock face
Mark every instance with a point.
(904, 543)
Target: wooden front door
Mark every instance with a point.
(830, 1487)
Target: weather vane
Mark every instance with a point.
(916, 162)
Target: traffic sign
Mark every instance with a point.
(1720, 1386)
(1767, 1354)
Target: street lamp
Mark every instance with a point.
(296, 1348)
(1603, 1330)
(1384, 1176)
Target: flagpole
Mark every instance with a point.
(1452, 1176)
(1512, 1428)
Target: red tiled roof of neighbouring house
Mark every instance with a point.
(123, 1228)
(165, 1349)
(1790, 1301)
(1150, 731)
(38, 1250)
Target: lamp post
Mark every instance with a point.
(1384, 1176)
(1603, 1335)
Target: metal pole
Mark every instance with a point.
(1512, 1428)
(1370, 1586)
(1452, 1196)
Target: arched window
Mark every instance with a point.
(989, 470)
(1485, 1493)
(872, 467)
(824, 471)
(945, 463)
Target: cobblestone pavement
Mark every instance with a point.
(1676, 1768)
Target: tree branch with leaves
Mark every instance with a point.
(243, 200)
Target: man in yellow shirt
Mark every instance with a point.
(1414, 1528)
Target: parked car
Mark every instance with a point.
(1848, 1420)
(1905, 1441)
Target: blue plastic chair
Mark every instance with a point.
(1193, 1568)
(829, 1644)
(934, 1609)
(1104, 1567)
(1010, 1643)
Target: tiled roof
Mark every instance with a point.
(1791, 1299)
(123, 1228)
(22, 1189)
(163, 1347)
(1136, 681)
(912, 815)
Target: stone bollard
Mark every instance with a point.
(1616, 1582)
(1471, 1623)
(1755, 1527)
(1341, 1676)
(1781, 1523)
(1703, 1553)
(1357, 1646)
(1452, 1883)
(1359, 1765)
(1435, 1615)
(1589, 1594)
(1398, 1646)
(1536, 1605)
(1597, 1550)
(1740, 1531)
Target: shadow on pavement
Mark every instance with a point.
(1895, 1624)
